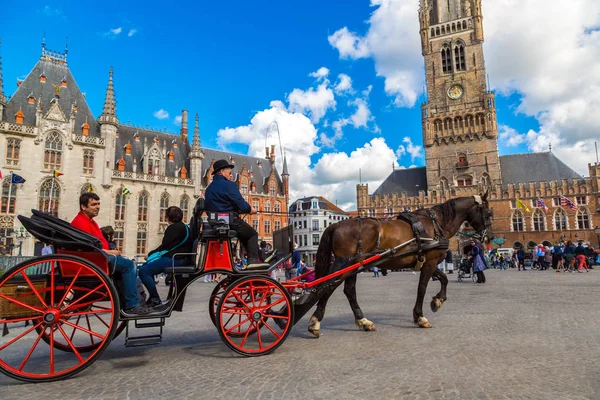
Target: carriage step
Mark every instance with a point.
(145, 340)
(154, 324)
(137, 341)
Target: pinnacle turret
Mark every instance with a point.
(109, 114)
(196, 151)
(285, 172)
(2, 97)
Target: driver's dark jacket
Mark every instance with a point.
(223, 195)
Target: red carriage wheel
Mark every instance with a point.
(77, 313)
(255, 315)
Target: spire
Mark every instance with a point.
(2, 97)
(285, 167)
(109, 115)
(196, 151)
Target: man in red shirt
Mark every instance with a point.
(89, 207)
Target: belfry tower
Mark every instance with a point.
(460, 131)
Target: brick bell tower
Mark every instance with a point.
(460, 131)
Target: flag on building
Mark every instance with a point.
(90, 188)
(126, 191)
(542, 205)
(57, 174)
(567, 203)
(522, 206)
(16, 179)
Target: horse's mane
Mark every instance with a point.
(447, 210)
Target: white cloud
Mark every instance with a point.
(312, 102)
(344, 84)
(393, 42)
(113, 33)
(320, 74)
(161, 114)
(132, 32)
(415, 151)
(53, 12)
(177, 120)
(509, 136)
(349, 44)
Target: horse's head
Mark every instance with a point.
(479, 215)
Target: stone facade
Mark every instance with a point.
(461, 148)
(47, 126)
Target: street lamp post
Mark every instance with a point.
(21, 234)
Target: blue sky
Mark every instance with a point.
(228, 61)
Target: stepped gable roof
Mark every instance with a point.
(147, 138)
(534, 167)
(260, 174)
(305, 203)
(54, 73)
(404, 180)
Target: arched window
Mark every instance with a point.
(432, 32)
(164, 204)
(184, 204)
(13, 151)
(462, 160)
(517, 221)
(277, 207)
(154, 163)
(5, 208)
(267, 206)
(272, 190)
(539, 220)
(120, 206)
(443, 184)
(465, 180)
(459, 57)
(49, 196)
(583, 218)
(53, 151)
(143, 207)
(560, 220)
(437, 31)
(485, 180)
(464, 24)
(446, 59)
(443, 30)
(88, 162)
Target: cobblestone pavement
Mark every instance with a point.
(522, 335)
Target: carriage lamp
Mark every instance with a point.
(21, 234)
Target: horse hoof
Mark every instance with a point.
(423, 323)
(366, 325)
(316, 332)
(436, 304)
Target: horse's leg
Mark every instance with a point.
(315, 320)
(426, 273)
(439, 298)
(350, 292)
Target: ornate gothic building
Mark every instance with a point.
(47, 126)
(460, 136)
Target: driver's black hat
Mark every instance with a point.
(221, 164)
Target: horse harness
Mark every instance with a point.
(439, 241)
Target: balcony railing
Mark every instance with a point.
(139, 176)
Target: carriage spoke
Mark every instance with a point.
(101, 320)
(20, 336)
(282, 299)
(260, 343)
(34, 289)
(52, 264)
(70, 286)
(31, 350)
(90, 328)
(272, 330)
(238, 325)
(240, 300)
(12, 321)
(21, 304)
(80, 313)
(83, 297)
(70, 343)
(74, 330)
(247, 333)
(84, 330)
(83, 305)
(51, 351)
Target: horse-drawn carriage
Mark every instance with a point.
(71, 300)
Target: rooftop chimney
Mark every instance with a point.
(184, 124)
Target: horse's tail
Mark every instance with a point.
(323, 261)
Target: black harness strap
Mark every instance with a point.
(359, 250)
(437, 229)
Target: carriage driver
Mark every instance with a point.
(223, 195)
(89, 207)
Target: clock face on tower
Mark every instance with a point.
(455, 91)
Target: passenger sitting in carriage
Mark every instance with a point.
(177, 239)
(89, 208)
(222, 195)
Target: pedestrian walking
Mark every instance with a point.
(478, 261)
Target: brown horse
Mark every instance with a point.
(342, 240)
